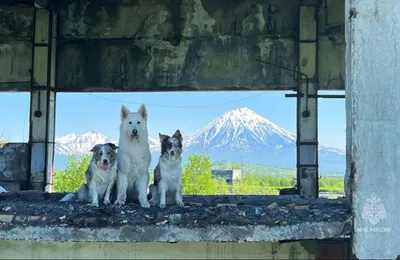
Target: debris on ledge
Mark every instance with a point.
(32, 215)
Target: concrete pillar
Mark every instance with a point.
(373, 123)
(42, 105)
(307, 107)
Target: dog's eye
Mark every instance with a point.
(170, 145)
(101, 153)
(138, 122)
(130, 122)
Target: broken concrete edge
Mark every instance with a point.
(172, 234)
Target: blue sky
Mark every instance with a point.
(188, 111)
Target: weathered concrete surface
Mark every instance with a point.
(192, 45)
(220, 63)
(373, 108)
(16, 31)
(13, 165)
(182, 45)
(15, 63)
(39, 216)
(16, 22)
(146, 250)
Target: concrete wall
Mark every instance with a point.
(156, 45)
(13, 165)
(107, 250)
(373, 120)
(16, 30)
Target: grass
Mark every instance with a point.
(263, 179)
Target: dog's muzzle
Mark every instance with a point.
(104, 166)
(134, 134)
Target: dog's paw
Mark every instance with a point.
(145, 204)
(180, 204)
(106, 201)
(95, 203)
(119, 203)
(162, 205)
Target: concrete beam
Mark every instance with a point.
(372, 109)
(307, 108)
(42, 116)
(216, 63)
(172, 233)
(190, 45)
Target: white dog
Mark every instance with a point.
(133, 157)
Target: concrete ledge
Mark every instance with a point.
(217, 233)
(37, 216)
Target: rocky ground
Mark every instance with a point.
(33, 208)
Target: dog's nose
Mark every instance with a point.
(105, 161)
(134, 132)
(172, 152)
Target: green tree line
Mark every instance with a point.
(197, 179)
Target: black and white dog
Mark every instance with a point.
(100, 176)
(167, 186)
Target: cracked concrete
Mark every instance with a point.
(39, 216)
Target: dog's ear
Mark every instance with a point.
(178, 135)
(96, 148)
(143, 111)
(113, 146)
(124, 112)
(162, 137)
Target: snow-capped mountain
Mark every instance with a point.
(239, 134)
(80, 144)
(241, 130)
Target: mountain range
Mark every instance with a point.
(238, 135)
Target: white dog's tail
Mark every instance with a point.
(69, 197)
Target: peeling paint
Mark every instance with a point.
(254, 20)
(16, 21)
(172, 63)
(198, 22)
(265, 50)
(75, 14)
(150, 27)
(4, 47)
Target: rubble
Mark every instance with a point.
(205, 218)
(2, 190)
